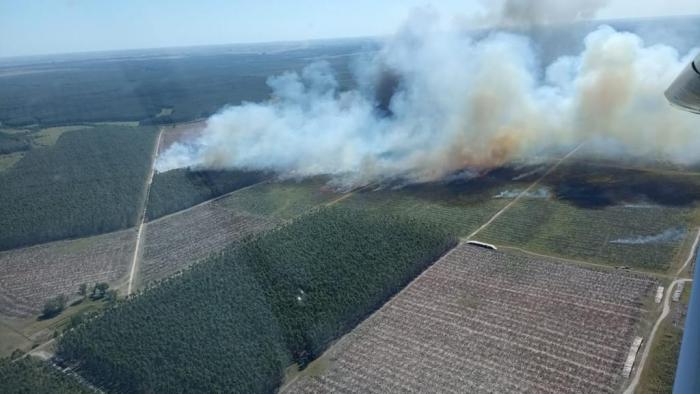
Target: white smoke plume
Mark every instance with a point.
(670, 235)
(433, 102)
(541, 193)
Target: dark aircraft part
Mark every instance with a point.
(684, 92)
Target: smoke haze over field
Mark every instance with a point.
(670, 235)
(433, 102)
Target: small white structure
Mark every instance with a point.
(659, 294)
(629, 363)
(482, 245)
(677, 293)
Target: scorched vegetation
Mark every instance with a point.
(607, 215)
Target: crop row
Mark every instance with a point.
(178, 241)
(481, 320)
(32, 275)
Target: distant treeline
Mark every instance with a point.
(182, 188)
(29, 375)
(10, 143)
(91, 181)
(235, 321)
(137, 89)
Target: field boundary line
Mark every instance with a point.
(38, 348)
(581, 262)
(209, 201)
(372, 315)
(524, 192)
(142, 217)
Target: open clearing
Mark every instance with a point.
(32, 275)
(49, 135)
(483, 320)
(181, 133)
(8, 160)
(177, 241)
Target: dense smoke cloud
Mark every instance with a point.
(537, 12)
(434, 102)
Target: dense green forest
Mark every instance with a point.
(235, 321)
(91, 181)
(137, 86)
(182, 188)
(13, 143)
(30, 376)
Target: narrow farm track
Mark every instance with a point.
(690, 255)
(667, 298)
(524, 192)
(142, 217)
(345, 196)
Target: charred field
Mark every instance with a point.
(641, 217)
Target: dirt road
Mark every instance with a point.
(647, 348)
(524, 192)
(142, 217)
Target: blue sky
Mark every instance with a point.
(30, 27)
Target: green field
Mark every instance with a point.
(660, 371)
(237, 320)
(594, 235)
(48, 136)
(89, 182)
(282, 200)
